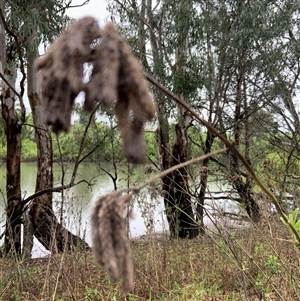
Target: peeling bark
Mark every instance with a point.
(13, 187)
(12, 127)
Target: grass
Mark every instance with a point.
(240, 264)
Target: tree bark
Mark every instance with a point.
(203, 182)
(180, 198)
(179, 201)
(175, 190)
(12, 127)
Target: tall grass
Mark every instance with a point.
(249, 262)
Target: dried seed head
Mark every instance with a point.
(111, 246)
(102, 87)
(132, 83)
(62, 71)
(131, 131)
(134, 105)
(117, 75)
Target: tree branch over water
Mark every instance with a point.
(53, 189)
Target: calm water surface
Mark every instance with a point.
(75, 204)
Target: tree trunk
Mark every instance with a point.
(179, 195)
(179, 211)
(203, 182)
(243, 188)
(164, 157)
(179, 201)
(12, 127)
(175, 190)
(51, 234)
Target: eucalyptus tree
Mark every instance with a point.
(164, 36)
(231, 35)
(251, 84)
(25, 30)
(277, 59)
(13, 117)
(234, 62)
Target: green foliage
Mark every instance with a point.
(92, 293)
(273, 264)
(101, 143)
(29, 150)
(102, 137)
(152, 152)
(294, 221)
(41, 23)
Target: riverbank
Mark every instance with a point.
(245, 264)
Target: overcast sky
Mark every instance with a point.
(95, 8)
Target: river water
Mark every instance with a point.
(74, 205)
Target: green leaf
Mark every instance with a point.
(297, 225)
(293, 216)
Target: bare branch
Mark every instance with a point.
(10, 86)
(68, 5)
(50, 190)
(78, 160)
(79, 5)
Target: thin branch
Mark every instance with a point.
(175, 167)
(78, 160)
(91, 151)
(108, 173)
(10, 86)
(79, 5)
(50, 190)
(36, 127)
(68, 5)
(152, 162)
